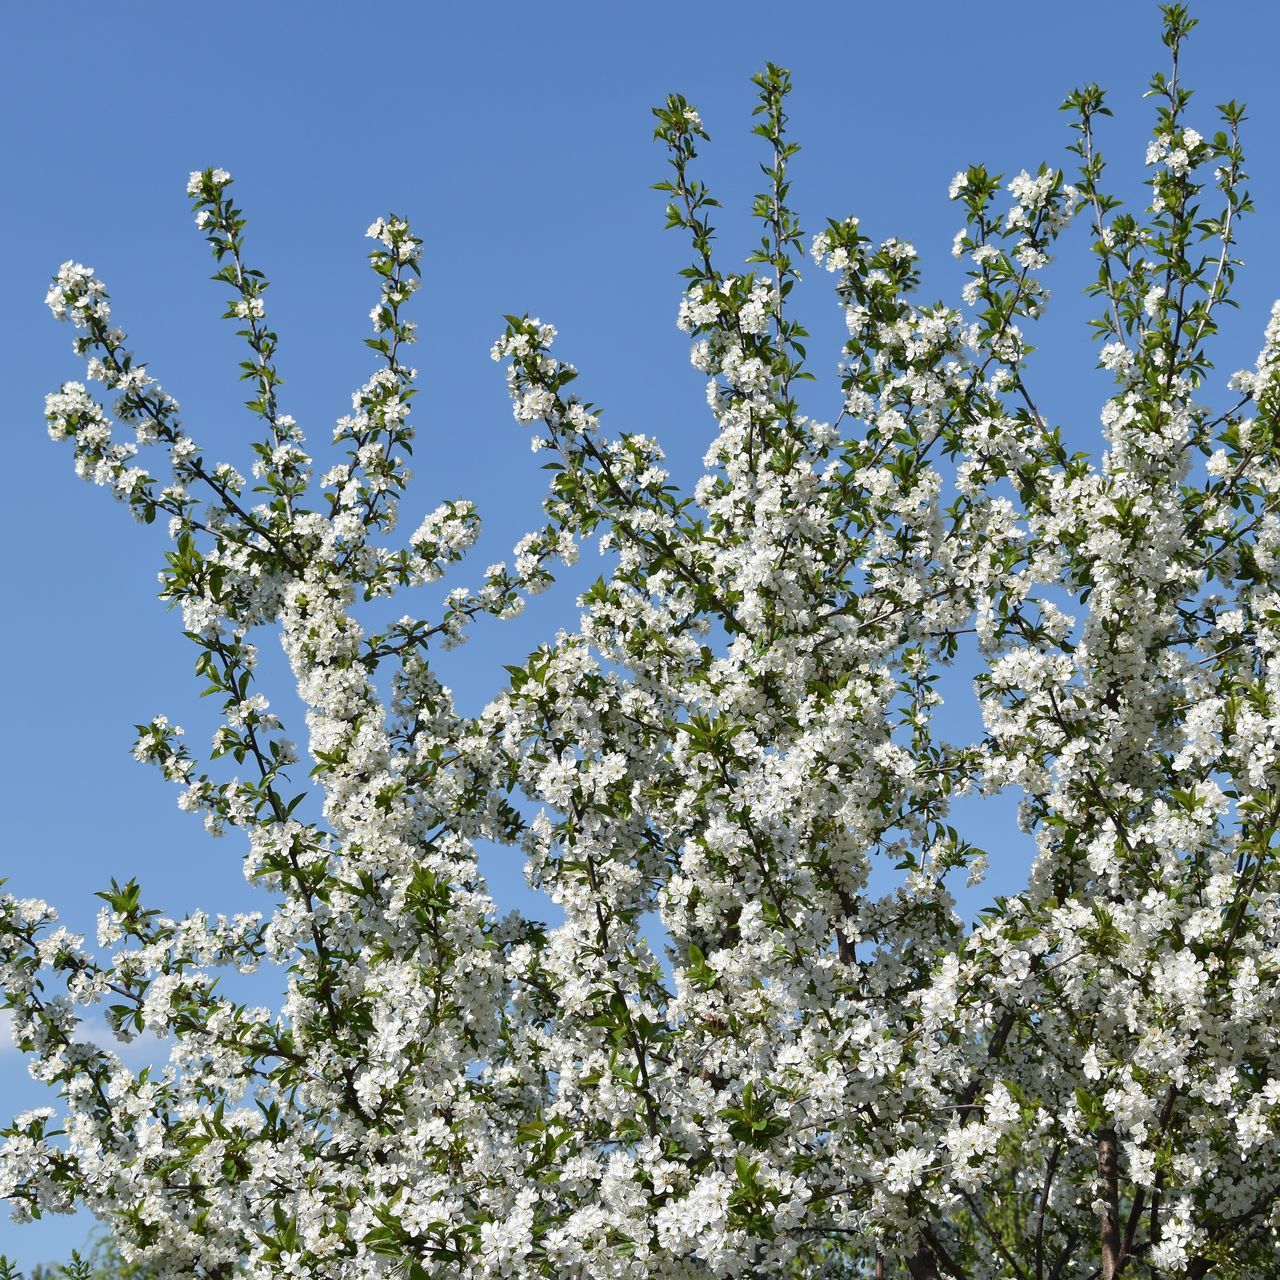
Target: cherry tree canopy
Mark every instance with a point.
(808, 1077)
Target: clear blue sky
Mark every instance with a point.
(517, 139)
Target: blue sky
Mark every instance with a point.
(517, 139)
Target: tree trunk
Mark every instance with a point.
(1110, 1227)
(922, 1266)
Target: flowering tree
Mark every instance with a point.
(814, 1079)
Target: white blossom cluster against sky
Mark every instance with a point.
(518, 140)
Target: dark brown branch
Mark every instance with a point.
(1109, 1230)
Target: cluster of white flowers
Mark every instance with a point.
(1177, 151)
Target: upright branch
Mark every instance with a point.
(783, 234)
(282, 465)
